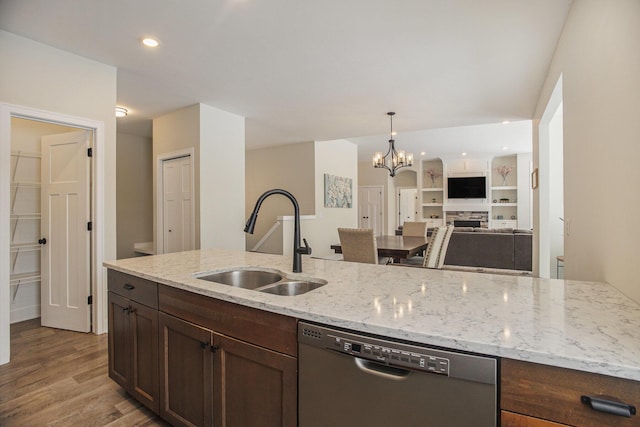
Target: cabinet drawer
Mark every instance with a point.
(510, 419)
(137, 289)
(554, 394)
(259, 327)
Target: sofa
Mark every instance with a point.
(508, 249)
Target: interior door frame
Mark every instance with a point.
(541, 195)
(187, 152)
(98, 274)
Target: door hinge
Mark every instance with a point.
(90, 300)
(90, 152)
(89, 226)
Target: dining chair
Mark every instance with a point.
(358, 245)
(437, 249)
(415, 229)
(418, 229)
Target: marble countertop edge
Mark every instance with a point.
(555, 353)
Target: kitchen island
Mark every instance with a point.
(583, 326)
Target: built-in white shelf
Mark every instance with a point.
(26, 154)
(432, 189)
(17, 184)
(504, 204)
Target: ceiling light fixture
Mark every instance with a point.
(393, 160)
(121, 112)
(149, 42)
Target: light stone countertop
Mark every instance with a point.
(587, 326)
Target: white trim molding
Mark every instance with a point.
(98, 273)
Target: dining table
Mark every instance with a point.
(397, 247)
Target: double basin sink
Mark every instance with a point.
(262, 280)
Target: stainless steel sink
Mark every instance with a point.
(262, 280)
(247, 279)
(292, 288)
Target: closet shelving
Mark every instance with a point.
(25, 219)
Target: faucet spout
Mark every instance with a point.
(298, 249)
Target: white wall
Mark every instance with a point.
(222, 179)
(175, 132)
(134, 181)
(598, 58)
(339, 158)
(290, 167)
(46, 79)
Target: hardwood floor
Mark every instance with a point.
(59, 378)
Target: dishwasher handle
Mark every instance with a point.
(381, 370)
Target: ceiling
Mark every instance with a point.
(311, 70)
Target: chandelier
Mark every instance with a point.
(393, 160)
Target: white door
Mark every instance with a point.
(407, 205)
(66, 212)
(370, 209)
(177, 212)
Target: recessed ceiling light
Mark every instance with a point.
(506, 122)
(121, 112)
(464, 154)
(505, 148)
(149, 42)
(423, 153)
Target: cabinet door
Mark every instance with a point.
(119, 340)
(254, 386)
(144, 354)
(186, 378)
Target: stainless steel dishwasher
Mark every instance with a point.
(349, 379)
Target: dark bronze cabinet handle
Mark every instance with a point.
(129, 287)
(609, 404)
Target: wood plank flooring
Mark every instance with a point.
(59, 378)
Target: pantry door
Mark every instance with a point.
(177, 209)
(65, 231)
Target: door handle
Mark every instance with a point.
(380, 370)
(609, 404)
(42, 241)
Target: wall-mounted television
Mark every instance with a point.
(473, 187)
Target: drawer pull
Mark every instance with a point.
(129, 287)
(609, 404)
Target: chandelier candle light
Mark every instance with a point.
(393, 160)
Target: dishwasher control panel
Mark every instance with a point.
(397, 355)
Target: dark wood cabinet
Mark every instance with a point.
(254, 386)
(210, 378)
(510, 419)
(533, 395)
(133, 337)
(186, 374)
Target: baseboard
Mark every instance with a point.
(25, 313)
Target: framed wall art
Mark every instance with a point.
(337, 192)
